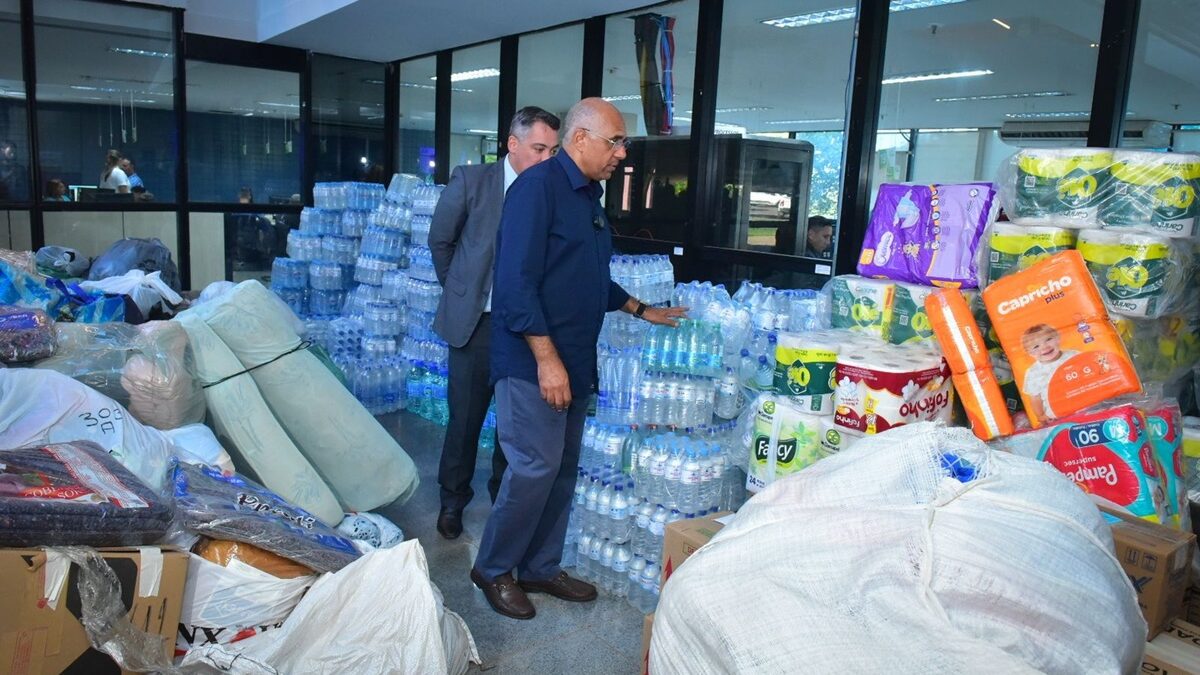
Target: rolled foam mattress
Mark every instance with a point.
(359, 459)
(247, 428)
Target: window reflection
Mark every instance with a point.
(14, 148)
(418, 106)
(243, 134)
(475, 99)
(105, 76)
(348, 119)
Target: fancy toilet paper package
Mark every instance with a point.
(1108, 454)
(783, 440)
(884, 386)
(1065, 354)
(834, 438)
(928, 234)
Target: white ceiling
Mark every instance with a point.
(792, 74)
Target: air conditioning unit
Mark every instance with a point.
(1137, 133)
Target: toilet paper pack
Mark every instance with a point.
(1012, 248)
(835, 438)
(784, 440)
(1154, 192)
(1056, 187)
(889, 386)
(1140, 275)
(805, 365)
(860, 304)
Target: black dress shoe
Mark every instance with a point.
(562, 587)
(449, 523)
(504, 595)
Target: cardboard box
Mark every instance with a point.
(647, 626)
(683, 537)
(40, 635)
(1176, 651)
(1157, 560)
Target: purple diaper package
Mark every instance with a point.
(928, 234)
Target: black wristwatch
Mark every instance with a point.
(641, 309)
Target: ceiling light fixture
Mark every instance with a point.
(1053, 115)
(997, 97)
(718, 127)
(486, 132)
(948, 130)
(140, 52)
(277, 105)
(847, 13)
(1000, 23)
(414, 85)
(826, 120)
(477, 74)
(623, 97)
(751, 108)
(1094, 45)
(370, 80)
(926, 77)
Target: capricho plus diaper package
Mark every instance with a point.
(1063, 349)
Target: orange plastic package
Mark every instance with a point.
(1065, 353)
(965, 352)
(222, 551)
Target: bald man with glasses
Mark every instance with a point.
(552, 288)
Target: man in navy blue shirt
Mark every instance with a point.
(551, 290)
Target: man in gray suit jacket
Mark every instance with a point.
(462, 239)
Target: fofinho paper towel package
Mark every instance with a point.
(883, 386)
(1064, 352)
(928, 234)
(1107, 453)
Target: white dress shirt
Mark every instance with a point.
(510, 175)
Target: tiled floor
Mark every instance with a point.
(598, 637)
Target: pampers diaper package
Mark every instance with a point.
(1140, 275)
(1109, 454)
(1012, 248)
(783, 440)
(1064, 351)
(881, 386)
(1164, 423)
(928, 234)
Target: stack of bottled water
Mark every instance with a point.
(424, 200)
(774, 310)
(620, 371)
(713, 304)
(648, 278)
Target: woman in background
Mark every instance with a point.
(56, 191)
(113, 178)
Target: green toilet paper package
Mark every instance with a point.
(1153, 192)
(1139, 275)
(1057, 187)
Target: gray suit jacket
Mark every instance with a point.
(462, 239)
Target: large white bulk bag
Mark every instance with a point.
(915, 551)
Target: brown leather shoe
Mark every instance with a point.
(504, 595)
(562, 587)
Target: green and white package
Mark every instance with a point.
(1061, 187)
(1139, 275)
(806, 369)
(1153, 192)
(1013, 248)
(860, 304)
(783, 441)
(835, 438)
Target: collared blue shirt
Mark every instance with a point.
(551, 276)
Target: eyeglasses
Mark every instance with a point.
(612, 142)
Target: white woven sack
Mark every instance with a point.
(878, 560)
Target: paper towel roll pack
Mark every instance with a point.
(928, 234)
(1064, 351)
(1055, 187)
(1107, 453)
(885, 386)
(1012, 248)
(1140, 275)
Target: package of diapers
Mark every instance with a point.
(1164, 423)
(1065, 354)
(928, 234)
(860, 304)
(783, 440)
(882, 386)
(1139, 275)
(1055, 187)
(1108, 454)
(1153, 192)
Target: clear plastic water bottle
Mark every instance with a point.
(641, 534)
(658, 526)
(636, 566)
(595, 550)
(618, 526)
(673, 475)
(641, 476)
(650, 587)
(583, 561)
(729, 399)
(622, 556)
(658, 469)
(764, 374)
(603, 505)
(591, 497)
(607, 581)
(690, 480)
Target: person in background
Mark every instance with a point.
(135, 181)
(820, 237)
(462, 239)
(113, 178)
(245, 195)
(56, 191)
(552, 289)
(14, 179)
